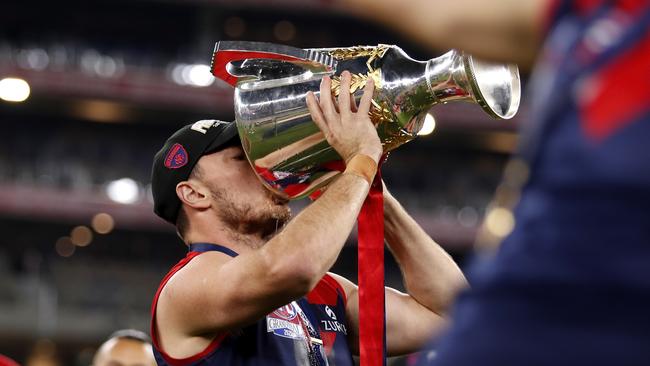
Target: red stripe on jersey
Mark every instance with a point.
(633, 6)
(620, 93)
(328, 339)
(326, 292)
(585, 7)
(154, 335)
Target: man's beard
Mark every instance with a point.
(244, 218)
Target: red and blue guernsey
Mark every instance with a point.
(309, 331)
(571, 284)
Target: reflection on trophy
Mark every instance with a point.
(286, 148)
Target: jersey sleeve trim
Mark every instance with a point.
(337, 286)
(154, 334)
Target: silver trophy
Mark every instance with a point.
(285, 147)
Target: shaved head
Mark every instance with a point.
(124, 351)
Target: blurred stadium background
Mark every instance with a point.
(90, 91)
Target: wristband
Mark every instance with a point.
(363, 166)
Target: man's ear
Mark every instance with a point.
(193, 194)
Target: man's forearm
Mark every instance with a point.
(431, 276)
(502, 30)
(311, 242)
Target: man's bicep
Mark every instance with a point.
(218, 295)
(409, 325)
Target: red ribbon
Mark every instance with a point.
(372, 327)
(372, 319)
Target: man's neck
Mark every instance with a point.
(232, 239)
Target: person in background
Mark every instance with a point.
(570, 285)
(127, 347)
(6, 361)
(44, 353)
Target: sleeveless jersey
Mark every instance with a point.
(280, 338)
(571, 284)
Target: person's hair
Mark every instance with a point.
(182, 221)
(132, 334)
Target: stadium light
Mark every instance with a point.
(199, 75)
(125, 191)
(64, 247)
(103, 223)
(195, 75)
(14, 90)
(500, 222)
(81, 236)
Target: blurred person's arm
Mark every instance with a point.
(501, 30)
(431, 277)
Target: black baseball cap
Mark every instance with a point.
(175, 161)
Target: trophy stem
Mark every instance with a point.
(447, 78)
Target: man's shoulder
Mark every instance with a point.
(182, 288)
(193, 265)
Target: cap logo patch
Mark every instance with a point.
(176, 157)
(202, 126)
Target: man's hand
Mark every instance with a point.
(349, 130)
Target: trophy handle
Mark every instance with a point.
(227, 54)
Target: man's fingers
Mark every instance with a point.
(316, 113)
(366, 99)
(326, 102)
(344, 92)
(353, 104)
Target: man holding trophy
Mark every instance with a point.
(254, 288)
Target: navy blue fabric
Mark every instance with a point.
(206, 247)
(258, 345)
(571, 284)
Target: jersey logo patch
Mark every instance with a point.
(330, 312)
(286, 312)
(176, 157)
(332, 325)
(284, 322)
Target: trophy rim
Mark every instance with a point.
(514, 86)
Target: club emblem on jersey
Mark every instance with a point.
(330, 312)
(286, 312)
(284, 322)
(176, 157)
